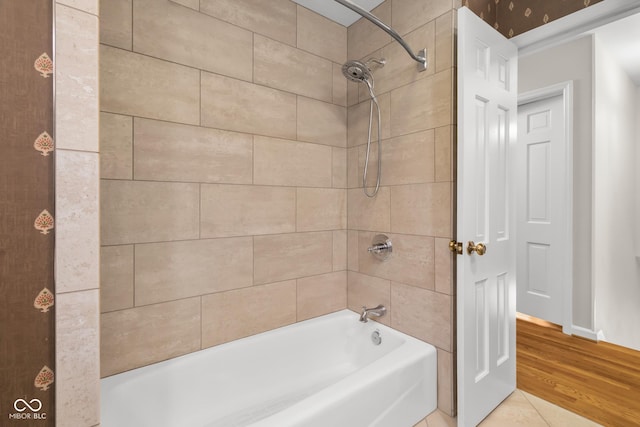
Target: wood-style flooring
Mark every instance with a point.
(599, 381)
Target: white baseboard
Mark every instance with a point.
(587, 333)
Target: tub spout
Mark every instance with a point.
(378, 311)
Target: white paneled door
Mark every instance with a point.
(486, 291)
(541, 222)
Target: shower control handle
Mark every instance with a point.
(381, 247)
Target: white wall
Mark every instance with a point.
(637, 196)
(615, 273)
(572, 61)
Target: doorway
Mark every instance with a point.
(544, 177)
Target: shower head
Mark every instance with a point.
(356, 71)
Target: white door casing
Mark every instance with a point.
(486, 291)
(544, 204)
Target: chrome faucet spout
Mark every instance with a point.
(378, 311)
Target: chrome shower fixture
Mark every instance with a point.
(360, 72)
(420, 57)
(356, 71)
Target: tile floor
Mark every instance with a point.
(521, 409)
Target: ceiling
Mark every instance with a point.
(335, 11)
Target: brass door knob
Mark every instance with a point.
(455, 247)
(480, 248)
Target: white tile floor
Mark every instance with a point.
(521, 409)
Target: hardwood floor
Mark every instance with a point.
(599, 381)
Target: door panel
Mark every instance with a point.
(487, 104)
(541, 255)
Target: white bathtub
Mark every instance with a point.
(323, 372)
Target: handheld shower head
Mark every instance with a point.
(356, 71)
(360, 72)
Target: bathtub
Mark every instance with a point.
(323, 372)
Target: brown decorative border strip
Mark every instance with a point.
(514, 17)
(27, 353)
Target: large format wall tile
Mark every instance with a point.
(76, 86)
(321, 36)
(174, 270)
(369, 213)
(353, 89)
(321, 122)
(321, 209)
(174, 152)
(243, 210)
(193, 4)
(422, 313)
(116, 278)
(422, 105)
(408, 15)
(77, 222)
(423, 209)
(116, 23)
(407, 159)
(244, 107)
(318, 295)
(290, 163)
(275, 19)
(363, 37)
(339, 86)
(141, 86)
(400, 69)
(339, 250)
(339, 179)
(89, 6)
(352, 250)
(227, 316)
(445, 159)
(412, 260)
(446, 381)
(445, 41)
(368, 291)
(213, 45)
(77, 359)
(137, 212)
(144, 335)
(290, 256)
(284, 67)
(116, 146)
(354, 170)
(445, 267)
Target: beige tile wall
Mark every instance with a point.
(224, 173)
(77, 243)
(231, 175)
(414, 206)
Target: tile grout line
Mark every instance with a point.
(133, 151)
(533, 406)
(134, 276)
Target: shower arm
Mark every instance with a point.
(420, 58)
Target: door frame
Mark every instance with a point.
(571, 26)
(564, 89)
